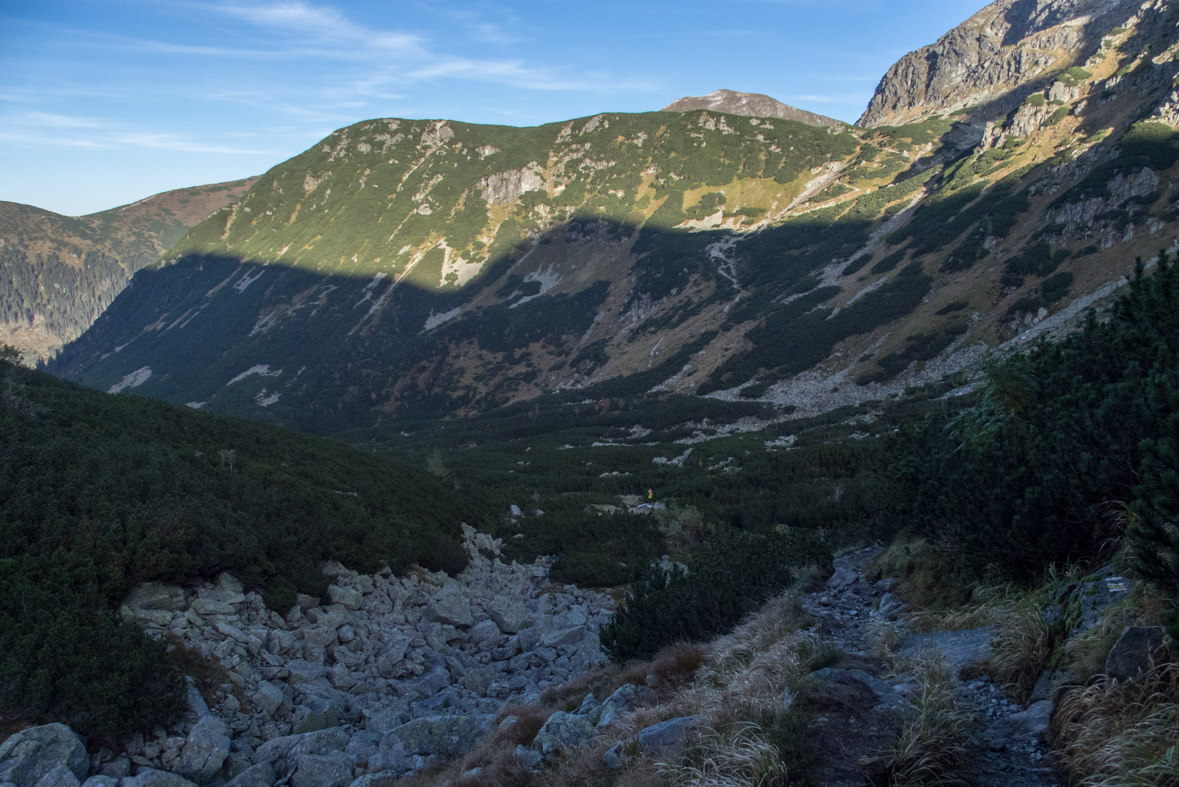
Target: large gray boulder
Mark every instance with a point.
(101, 781)
(563, 731)
(392, 752)
(31, 754)
(669, 734)
(450, 608)
(510, 616)
(314, 770)
(443, 736)
(205, 750)
(61, 776)
(268, 698)
(260, 775)
(1137, 650)
(614, 706)
(150, 777)
(157, 596)
(282, 752)
(348, 598)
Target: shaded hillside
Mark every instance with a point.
(99, 493)
(748, 104)
(60, 272)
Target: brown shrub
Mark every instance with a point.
(677, 664)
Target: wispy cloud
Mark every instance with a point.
(54, 130)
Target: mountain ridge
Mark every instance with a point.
(450, 268)
(85, 261)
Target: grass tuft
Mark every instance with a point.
(930, 750)
(1118, 734)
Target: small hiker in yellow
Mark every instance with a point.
(650, 493)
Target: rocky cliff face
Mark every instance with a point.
(749, 104)
(62, 272)
(986, 62)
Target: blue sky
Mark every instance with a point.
(104, 102)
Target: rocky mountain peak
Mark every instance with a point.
(983, 63)
(749, 104)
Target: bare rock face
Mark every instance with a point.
(984, 61)
(749, 104)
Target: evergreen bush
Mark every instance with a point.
(727, 580)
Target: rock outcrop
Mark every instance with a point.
(984, 61)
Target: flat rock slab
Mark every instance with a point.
(1025, 727)
(669, 734)
(963, 650)
(886, 694)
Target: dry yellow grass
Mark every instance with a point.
(1122, 734)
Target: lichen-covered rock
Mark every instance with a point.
(31, 754)
(349, 598)
(563, 731)
(443, 736)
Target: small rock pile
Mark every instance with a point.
(390, 676)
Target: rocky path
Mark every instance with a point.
(864, 704)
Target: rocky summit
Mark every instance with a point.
(749, 104)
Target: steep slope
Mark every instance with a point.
(61, 272)
(412, 268)
(993, 60)
(750, 105)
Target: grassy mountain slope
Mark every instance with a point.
(61, 272)
(405, 268)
